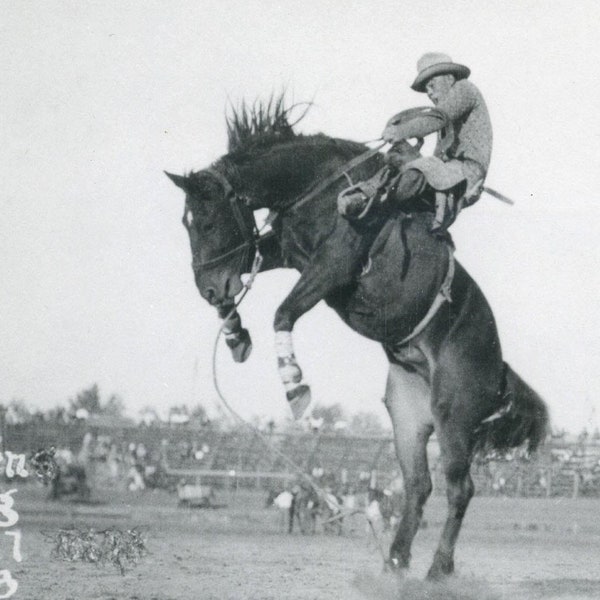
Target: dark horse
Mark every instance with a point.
(382, 281)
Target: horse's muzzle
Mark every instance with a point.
(218, 288)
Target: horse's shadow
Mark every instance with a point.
(388, 586)
(391, 586)
(569, 587)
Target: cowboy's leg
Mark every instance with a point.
(411, 184)
(445, 205)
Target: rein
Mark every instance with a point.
(323, 185)
(252, 239)
(252, 234)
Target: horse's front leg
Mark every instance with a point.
(326, 273)
(296, 304)
(236, 337)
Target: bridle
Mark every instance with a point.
(244, 215)
(244, 218)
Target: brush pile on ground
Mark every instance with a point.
(123, 549)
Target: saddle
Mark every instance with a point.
(455, 183)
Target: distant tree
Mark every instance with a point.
(58, 414)
(114, 406)
(199, 416)
(149, 416)
(331, 414)
(17, 412)
(39, 416)
(583, 436)
(88, 400)
(366, 423)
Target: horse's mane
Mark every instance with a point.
(263, 123)
(256, 130)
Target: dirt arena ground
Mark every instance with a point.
(509, 549)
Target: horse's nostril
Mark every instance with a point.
(209, 294)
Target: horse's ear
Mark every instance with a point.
(178, 180)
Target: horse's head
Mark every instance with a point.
(221, 230)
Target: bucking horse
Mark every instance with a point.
(392, 281)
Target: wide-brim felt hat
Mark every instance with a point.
(436, 63)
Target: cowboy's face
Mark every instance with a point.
(439, 86)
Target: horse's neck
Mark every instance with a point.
(286, 172)
(283, 174)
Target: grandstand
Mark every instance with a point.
(240, 457)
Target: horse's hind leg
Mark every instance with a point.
(408, 401)
(455, 454)
(457, 405)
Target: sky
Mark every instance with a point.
(100, 97)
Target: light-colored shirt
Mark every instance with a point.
(283, 500)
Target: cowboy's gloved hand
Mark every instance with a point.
(390, 134)
(402, 153)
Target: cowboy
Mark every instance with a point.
(457, 170)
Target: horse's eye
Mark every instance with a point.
(208, 228)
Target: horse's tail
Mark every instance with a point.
(523, 419)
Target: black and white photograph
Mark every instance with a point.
(299, 300)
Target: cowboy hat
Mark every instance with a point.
(436, 63)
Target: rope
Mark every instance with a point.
(256, 264)
(286, 459)
(295, 467)
(323, 185)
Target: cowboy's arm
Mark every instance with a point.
(399, 128)
(459, 101)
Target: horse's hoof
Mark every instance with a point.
(299, 400)
(394, 565)
(441, 569)
(240, 346)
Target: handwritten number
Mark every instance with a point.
(11, 584)
(6, 510)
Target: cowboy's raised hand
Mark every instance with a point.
(390, 134)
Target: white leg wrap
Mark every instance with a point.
(232, 325)
(283, 344)
(291, 376)
(297, 390)
(289, 371)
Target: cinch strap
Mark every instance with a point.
(442, 296)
